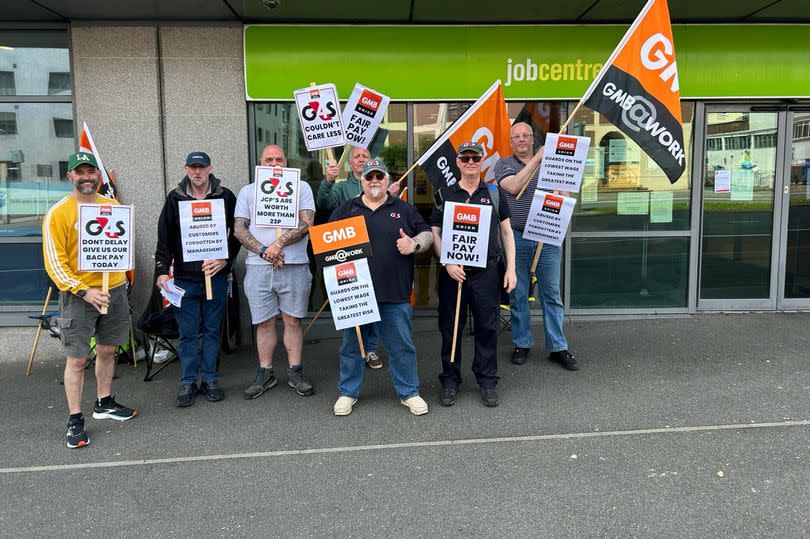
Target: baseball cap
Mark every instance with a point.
(371, 166)
(198, 158)
(471, 147)
(81, 158)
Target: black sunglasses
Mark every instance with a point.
(468, 158)
(379, 176)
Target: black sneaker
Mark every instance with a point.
(76, 435)
(489, 397)
(448, 396)
(520, 355)
(265, 379)
(112, 410)
(298, 382)
(185, 397)
(565, 359)
(212, 391)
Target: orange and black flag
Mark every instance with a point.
(485, 122)
(637, 89)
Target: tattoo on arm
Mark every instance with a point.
(306, 219)
(242, 233)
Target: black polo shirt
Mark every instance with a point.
(391, 272)
(482, 195)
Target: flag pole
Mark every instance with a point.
(39, 331)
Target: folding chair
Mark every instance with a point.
(158, 328)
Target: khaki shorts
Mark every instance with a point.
(78, 321)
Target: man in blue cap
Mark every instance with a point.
(197, 318)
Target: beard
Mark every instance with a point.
(375, 191)
(87, 189)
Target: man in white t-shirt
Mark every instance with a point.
(277, 280)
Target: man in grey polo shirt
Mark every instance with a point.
(277, 280)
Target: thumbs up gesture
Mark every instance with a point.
(405, 244)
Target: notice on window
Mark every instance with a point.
(105, 237)
(203, 232)
(621, 151)
(563, 163)
(633, 203)
(465, 234)
(661, 207)
(548, 218)
(276, 200)
(722, 181)
(590, 191)
(742, 185)
(351, 294)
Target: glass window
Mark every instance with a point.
(63, 127)
(767, 140)
(739, 142)
(8, 123)
(58, 83)
(801, 129)
(714, 144)
(7, 86)
(623, 188)
(36, 61)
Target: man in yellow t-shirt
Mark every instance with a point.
(81, 301)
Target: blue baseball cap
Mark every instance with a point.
(198, 158)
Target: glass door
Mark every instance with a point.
(740, 220)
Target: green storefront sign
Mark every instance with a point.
(534, 62)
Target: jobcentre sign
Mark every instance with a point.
(534, 62)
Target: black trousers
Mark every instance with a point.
(480, 292)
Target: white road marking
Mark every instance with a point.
(377, 447)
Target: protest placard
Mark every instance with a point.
(276, 197)
(340, 241)
(465, 234)
(319, 113)
(203, 232)
(351, 294)
(563, 163)
(362, 115)
(548, 218)
(105, 237)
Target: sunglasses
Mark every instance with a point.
(468, 158)
(379, 176)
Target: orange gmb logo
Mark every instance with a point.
(466, 218)
(552, 204)
(346, 273)
(338, 234)
(201, 211)
(566, 146)
(105, 209)
(369, 103)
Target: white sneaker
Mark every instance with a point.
(343, 406)
(416, 405)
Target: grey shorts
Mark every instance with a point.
(78, 321)
(271, 290)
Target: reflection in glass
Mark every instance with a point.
(34, 62)
(738, 194)
(797, 263)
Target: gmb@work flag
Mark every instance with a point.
(485, 122)
(86, 144)
(637, 89)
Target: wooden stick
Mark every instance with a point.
(561, 130)
(537, 251)
(316, 316)
(39, 330)
(132, 346)
(209, 293)
(330, 155)
(360, 342)
(525, 185)
(405, 176)
(105, 287)
(343, 156)
(455, 324)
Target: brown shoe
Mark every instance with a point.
(373, 360)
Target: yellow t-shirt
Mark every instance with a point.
(60, 248)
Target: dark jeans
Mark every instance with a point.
(197, 319)
(480, 292)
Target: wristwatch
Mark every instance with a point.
(81, 293)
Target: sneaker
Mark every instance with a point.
(416, 405)
(297, 381)
(185, 397)
(373, 360)
(343, 406)
(520, 355)
(565, 359)
(113, 410)
(265, 379)
(76, 435)
(489, 397)
(448, 396)
(212, 391)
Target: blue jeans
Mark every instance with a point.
(548, 276)
(198, 317)
(394, 328)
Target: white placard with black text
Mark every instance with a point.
(276, 197)
(465, 234)
(319, 113)
(548, 218)
(563, 162)
(105, 237)
(351, 294)
(203, 230)
(362, 115)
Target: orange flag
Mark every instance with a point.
(86, 144)
(637, 89)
